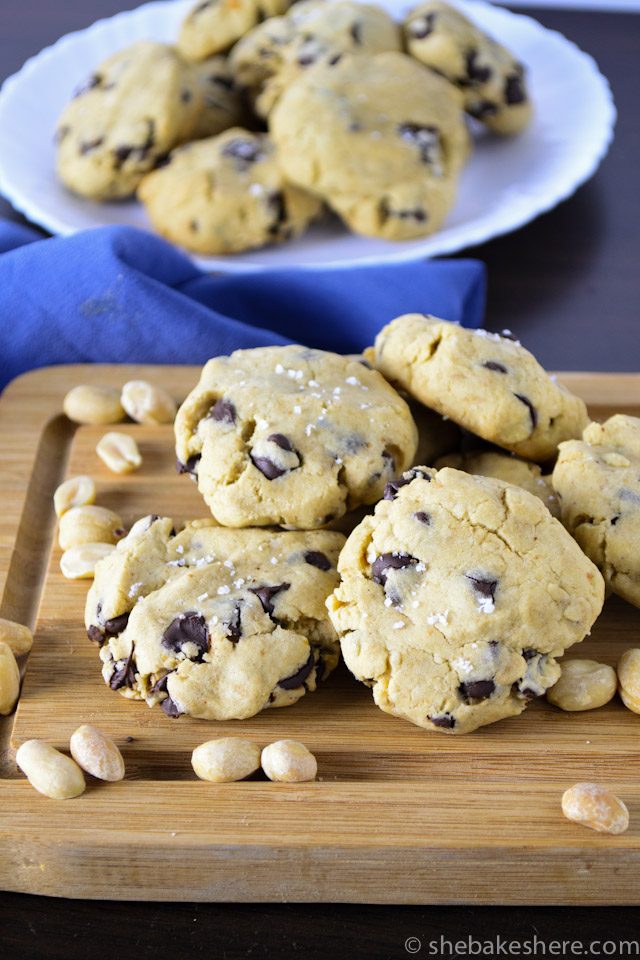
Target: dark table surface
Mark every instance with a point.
(569, 286)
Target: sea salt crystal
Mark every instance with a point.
(279, 368)
(222, 590)
(297, 409)
(203, 596)
(273, 560)
(134, 590)
(398, 625)
(442, 618)
(486, 605)
(179, 548)
(460, 665)
(353, 381)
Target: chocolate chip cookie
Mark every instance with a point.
(213, 26)
(274, 53)
(491, 79)
(131, 111)
(222, 103)
(457, 596)
(598, 479)
(215, 623)
(510, 469)
(291, 436)
(487, 383)
(386, 145)
(226, 194)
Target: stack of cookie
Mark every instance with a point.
(452, 600)
(364, 116)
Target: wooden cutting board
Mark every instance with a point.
(398, 815)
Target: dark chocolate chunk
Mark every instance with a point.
(389, 461)
(116, 625)
(494, 365)
(244, 151)
(90, 83)
(171, 708)
(189, 466)
(421, 27)
(223, 410)
(444, 720)
(391, 489)
(90, 145)
(390, 561)
(614, 520)
(160, 686)
(186, 96)
(530, 653)
(477, 689)
(336, 58)
(423, 517)
(124, 152)
(485, 587)
(234, 626)
(356, 33)
(276, 202)
(425, 138)
(482, 109)
(317, 559)
(125, 676)
(61, 133)
(95, 634)
(187, 628)
(297, 679)
(475, 72)
(514, 90)
(222, 81)
(194, 226)
(265, 595)
(280, 441)
(268, 468)
(532, 410)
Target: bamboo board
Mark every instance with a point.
(399, 815)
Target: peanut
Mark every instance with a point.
(226, 759)
(9, 679)
(629, 679)
(89, 403)
(18, 637)
(289, 761)
(147, 403)
(79, 563)
(89, 524)
(119, 452)
(583, 685)
(75, 492)
(595, 807)
(49, 771)
(96, 754)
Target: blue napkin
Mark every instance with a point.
(120, 295)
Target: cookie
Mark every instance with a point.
(274, 53)
(598, 479)
(457, 596)
(225, 194)
(510, 469)
(213, 26)
(222, 103)
(215, 623)
(485, 382)
(491, 79)
(291, 436)
(136, 107)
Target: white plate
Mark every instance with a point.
(507, 183)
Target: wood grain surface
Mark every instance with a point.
(398, 815)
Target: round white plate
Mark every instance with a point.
(507, 183)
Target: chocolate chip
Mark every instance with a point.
(171, 708)
(202, 6)
(268, 468)
(614, 520)
(124, 152)
(477, 689)
(194, 226)
(389, 461)
(423, 517)
(527, 692)
(530, 653)
(317, 559)
(336, 58)
(222, 81)
(234, 626)
(280, 441)
(223, 411)
(95, 634)
(162, 161)
(90, 145)
(306, 59)
(116, 625)
(476, 73)
(188, 628)
(485, 587)
(355, 32)
(90, 83)
(494, 365)
(265, 595)
(186, 96)
(297, 679)
(532, 410)
(391, 489)
(244, 151)
(189, 466)
(421, 27)
(444, 720)
(125, 676)
(425, 138)
(160, 686)
(276, 202)
(482, 109)
(514, 90)
(390, 561)
(61, 133)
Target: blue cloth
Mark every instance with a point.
(119, 295)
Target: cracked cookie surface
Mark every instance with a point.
(270, 57)
(212, 26)
(291, 436)
(598, 479)
(215, 623)
(457, 596)
(484, 382)
(510, 469)
(386, 146)
(489, 76)
(135, 107)
(225, 194)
